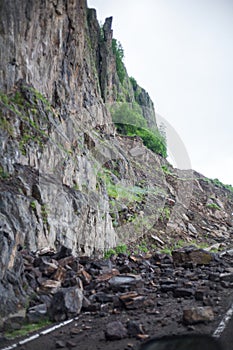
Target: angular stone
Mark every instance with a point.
(102, 297)
(48, 268)
(60, 344)
(198, 315)
(85, 277)
(183, 292)
(71, 344)
(46, 251)
(134, 328)
(128, 281)
(14, 322)
(36, 313)
(201, 293)
(49, 286)
(191, 255)
(132, 300)
(107, 275)
(60, 274)
(191, 228)
(227, 277)
(115, 331)
(66, 261)
(167, 287)
(63, 252)
(66, 303)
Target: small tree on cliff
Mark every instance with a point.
(119, 54)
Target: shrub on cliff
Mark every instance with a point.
(152, 140)
(119, 55)
(129, 121)
(128, 113)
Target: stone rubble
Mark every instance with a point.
(61, 286)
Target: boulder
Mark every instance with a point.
(191, 256)
(66, 303)
(115, 331)
(198, 314)
(48, 268)
(134, 328)
(127, 281)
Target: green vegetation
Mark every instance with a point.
(120, 249)
(33, 205)
(27, 328)
(166, 170)
(6, 125)
(26, 104)
(129, 115)
(213, 206)
(141, 248)
(3, 174)
(218, 183)
(76, 187)
(164, 214)
(120, 191)
(136, 89)
(119, 55)
(129, 121)
(133, 83)
(167, 251)
(182, 243)
(152, 140)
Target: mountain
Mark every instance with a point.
(74, 171)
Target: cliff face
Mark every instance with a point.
(46, 45)
(66, 178)
(56, 72)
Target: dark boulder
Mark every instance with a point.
(66, 303)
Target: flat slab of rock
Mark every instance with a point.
(49, 286)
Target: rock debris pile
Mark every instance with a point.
(187, 287)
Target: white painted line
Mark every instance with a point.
(27, 340)
(223, 324)
(37, 335)
(51, 329)
(10, 347)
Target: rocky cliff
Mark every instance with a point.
(67, 178)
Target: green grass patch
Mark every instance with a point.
(166, 170)
(3, 174)
(213, 206)
(120, 249)
(27, 328)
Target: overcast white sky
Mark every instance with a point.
(181, 52)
